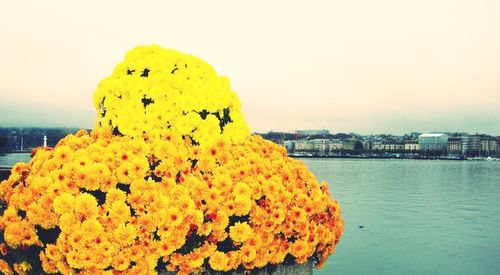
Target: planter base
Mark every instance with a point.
(296, 269)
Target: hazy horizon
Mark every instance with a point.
(365, 67)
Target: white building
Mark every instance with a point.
(304, 145)
(336, 144)
(454, 145)
(433, 142)
(321, 144)
(411, 145)
(387, 146)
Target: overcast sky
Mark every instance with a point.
(347, 66)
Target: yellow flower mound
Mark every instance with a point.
(189, 192)
(154, 90)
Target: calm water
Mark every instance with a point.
(419, 217)
(8, 160)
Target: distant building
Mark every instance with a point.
(471, 145)
(479, 145)
(454, 145)
(411, 145)
(348, 145)
(433, 143)
(498, 146)
(304, 145)
(394, 146)
(321, 145)
(387, 146)
(489, 145)
(317, 145)
(336, 145)
(312, 132)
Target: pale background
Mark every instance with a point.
(347, 66)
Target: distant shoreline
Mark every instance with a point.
(395, 157)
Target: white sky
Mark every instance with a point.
(361, 66)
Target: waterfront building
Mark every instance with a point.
(433, 143)
(336, 145)
(348, 145)
(387, 146)
(454, 145)
(471, 145)
(488, 145)
(411, 145)
(497, 153)
(479, 145)
(394, 146)
(321, 145)
(304, 145)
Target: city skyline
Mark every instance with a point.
(384, 67)
(316, 143)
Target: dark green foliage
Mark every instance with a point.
(10, 138)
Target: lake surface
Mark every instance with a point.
(8, 160)
(418, 216)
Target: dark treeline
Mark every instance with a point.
(10, 138)
(276, 136)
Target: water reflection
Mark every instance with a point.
(418, 217)
(8, 160)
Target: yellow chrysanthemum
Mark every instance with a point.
(240, 232)
(20, 233)
(242, 189)
(242, 205)
(63, 153)
(53, 253)
(120, 211)
(299, 248)
(64, 203)
(93, 227)
(248, 253)
(125, 234)
(114, 194)
(22, 268)
(120, 262)
(218, 261)
(86, 206)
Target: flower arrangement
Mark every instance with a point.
(157, 91)
(170, 179)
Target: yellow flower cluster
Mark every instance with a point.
(154, 90)
(169, 197)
